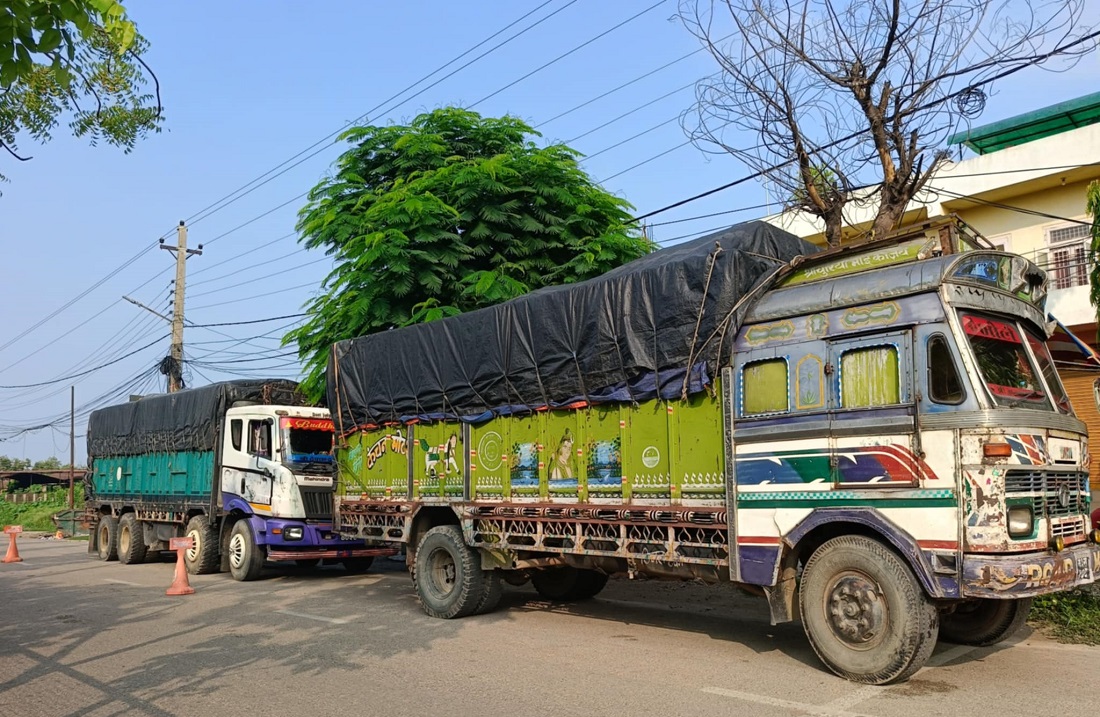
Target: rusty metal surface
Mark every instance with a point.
(1018, 576)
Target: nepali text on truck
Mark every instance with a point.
(874, 436)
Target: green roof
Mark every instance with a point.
(1031, 126)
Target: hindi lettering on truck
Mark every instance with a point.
(875, 437)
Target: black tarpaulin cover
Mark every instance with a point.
(186, 420)
(562, 343)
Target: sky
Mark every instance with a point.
(249, 85)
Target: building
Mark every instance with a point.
(1024, 190)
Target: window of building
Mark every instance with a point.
(870, 377)
(764, 387)
(944, 382)
(1067, 256)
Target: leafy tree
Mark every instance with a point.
(14, 464)
(850, 101)
(48, 464)
(449, 213)
(80, 58)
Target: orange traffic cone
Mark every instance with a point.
(180, 585)
(13, 551)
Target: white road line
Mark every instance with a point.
(801, 707)
(865, 693)
(124, 582)
(320, 618)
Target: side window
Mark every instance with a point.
(764, 387)
(870, 377)
(259, 438)
(944, 383)
(236, 428)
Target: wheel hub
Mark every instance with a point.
(193, 551)
(236, 551)
(856, 610)
(443, 572)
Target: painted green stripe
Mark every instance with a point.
(846, 498)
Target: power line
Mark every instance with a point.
(311, 151)
(265, 277)
(564, 55)
(639, 108)
(1010, 207)
(91, 370)
(253, 321)
(928, 105)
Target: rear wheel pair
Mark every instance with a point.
(448, 576)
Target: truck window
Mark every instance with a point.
(870, 377)
(1003, 361)
(259, 438)
(764, 387)
(236, 427)
(944, 383)
(1046, 365)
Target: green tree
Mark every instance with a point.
(449, 213)
(49, 464)
(14, 464)
(80, 58)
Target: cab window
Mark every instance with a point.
(944, 382)
(870, 377)
(765, 388)
(259, 438)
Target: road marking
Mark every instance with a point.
(124, 582)
(319, 618)
(822, 710)
(865, 693)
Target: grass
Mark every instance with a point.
(34, 516)
(1069, 617)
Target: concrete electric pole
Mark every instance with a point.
(175, 357)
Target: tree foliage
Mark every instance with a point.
(449, 213)
(850, 101)
(80, 58)
(52, 463)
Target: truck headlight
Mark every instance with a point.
(294, 533)
(1020, 521)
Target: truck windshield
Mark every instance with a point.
(1006, 368)
(307, 440)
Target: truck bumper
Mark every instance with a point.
(282, 554)
(273, 532)
(1029, 574)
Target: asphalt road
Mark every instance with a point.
(81, 637)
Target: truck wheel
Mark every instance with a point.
(357, 566)
(568, 584)
(984, 622)
(246, 559)
(864, 612)
(202, 557)
(491, 593)
(448, 575)
(106, 538)
(131, 540)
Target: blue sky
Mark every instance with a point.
(247, 85)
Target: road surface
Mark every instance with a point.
(82, 637)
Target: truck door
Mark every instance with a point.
(873, 412)
(248, 446)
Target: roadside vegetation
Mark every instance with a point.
(1069, 617)
(36, 515)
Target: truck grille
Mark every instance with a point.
(1053, 494)
(318, 503)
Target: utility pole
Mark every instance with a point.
(72, 440)
(175, 357)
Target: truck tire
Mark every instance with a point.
(246, 559)
(491, 593)
(202, 557)
(568, 584)
(106, 537)
(357, 566)
(864, 612)
(984, 622)
(131, 540)
(448, 577)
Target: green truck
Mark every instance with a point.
(875, 437)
